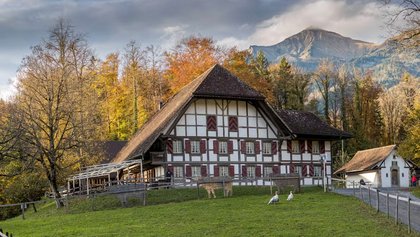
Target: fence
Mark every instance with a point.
(401, 207)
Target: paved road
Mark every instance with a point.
(391, 208)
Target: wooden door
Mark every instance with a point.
(394, 178)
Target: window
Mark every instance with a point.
(298, 170)
(223, 147)
(224, 171)
(177, 146)
(196, 171)
(233, 124)
(295, 147)
(178, 172)
(251, 171)
(267, 148)
(195, 147)
(315, 147)
(317, 171)
(250, 148)
(268, 170)
(211, 123)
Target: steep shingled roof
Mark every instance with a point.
(307, 124)
(216, 82)
(366, 159)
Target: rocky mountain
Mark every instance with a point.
(387, 61)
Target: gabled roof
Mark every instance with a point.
(216, 82)
(366, 159)
(308, 125)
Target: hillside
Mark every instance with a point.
(311, 213)
(386, 61)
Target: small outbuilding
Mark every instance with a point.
(380, 167)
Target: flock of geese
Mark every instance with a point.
(275, 199)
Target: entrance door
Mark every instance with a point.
(394, 178)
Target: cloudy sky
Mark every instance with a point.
(110, 24)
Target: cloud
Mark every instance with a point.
(356, 19)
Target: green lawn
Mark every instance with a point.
(416, 191)
(311, 213)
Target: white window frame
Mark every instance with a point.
(223, 170)
(195, 147)
(295, 146)
(249, 148)
(250, 171)
(195, 171)
(298, 170)
(177, 146)
(178, 171)
(267, 148)
(223, 147)
(268, 170)
(317, 171)
(315, 147)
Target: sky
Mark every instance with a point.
(110, 24)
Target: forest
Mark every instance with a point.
(68, 101)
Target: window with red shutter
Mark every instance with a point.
(321, 147)
(204, 171)
(276, 169)
(244, 171)
(302, 146)
(231, 171)
(257, 147)
(230, 147)
(211, 123)
(216, 171)
(215, 147)
(169, 146)
(188, 171)
(233, 124)
(274, 148)
(289, 146)
(304, 171)
(187, 146)
(243, 147)
(203, 146)
(258, 171)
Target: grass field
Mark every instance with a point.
(311, 213)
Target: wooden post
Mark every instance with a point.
(396, 210)
(22, 207)
(87, 186)
(408, 215)
(33, 205)
(387, 205)
(377, 200)
(109, 179)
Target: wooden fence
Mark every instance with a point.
(400, 207)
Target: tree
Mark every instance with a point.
(53, 125)
(323, 78)
(410, 146)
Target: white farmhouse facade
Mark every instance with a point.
(380, 167)
(219, 126)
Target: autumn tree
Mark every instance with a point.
(53, 127)
(323, 79)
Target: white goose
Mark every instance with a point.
(274, 199)
(290, 197)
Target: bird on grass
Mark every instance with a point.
(274, 199)
(290, 197)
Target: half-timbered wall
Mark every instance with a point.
(208, 122)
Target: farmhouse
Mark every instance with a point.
(382, 167)
(219, 126)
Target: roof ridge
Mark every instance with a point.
(375, 148)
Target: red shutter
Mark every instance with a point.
(188, 171)
(233, 124)
(231, 171)
(289, 146)
(244, 171)
(302, 146)
(258, 171)
(311, 170)
(216, 171)
(230, 147)
(204, 171)
(321, 147)
(292, 168)
(171, 168)
(274, 148)
(309, 146)
(243, 147)
(203, 146)
(215, 146)
(187, 146)
(169, 146)
(257, 147)
(304, 171)
(211, 123)
(276, 169)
